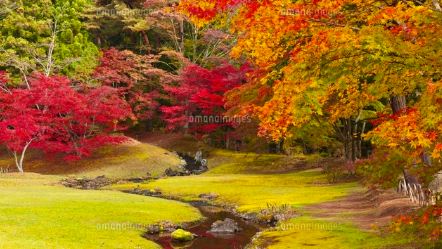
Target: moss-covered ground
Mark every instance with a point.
(38, 213)
(250, 182)
(308, 232)
(249, 193)
(116, 162)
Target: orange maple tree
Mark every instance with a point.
(343, 62)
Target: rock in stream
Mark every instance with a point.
(225, 226)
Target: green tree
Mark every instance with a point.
(154, 26)
(45, 36)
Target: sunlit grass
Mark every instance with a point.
(117, 162)
(243, 181)
(129, 162)
(308, 232)
(228, 162)
(38, 213)
(252, 192)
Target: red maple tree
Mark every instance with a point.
(198, 100)
(55, 117)
(135, 77)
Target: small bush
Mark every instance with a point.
(339, 171)
(426, 224)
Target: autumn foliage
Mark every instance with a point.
(56, 117)
(369, 70)
(198, 101)
(135, 78)
(427, 221)
(339, 62)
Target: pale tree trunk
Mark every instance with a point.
(25, 78)
(195, 38)
(182, 35)
(50, 60)
(20, 157)
(17, 163)
(178, 38)
(175, 38)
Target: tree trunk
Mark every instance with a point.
(360, 139)
(99, 41)
(182, 35)
(398, 104)
(50, 60)
(350, 131)
(146, 41)
(17, 163)
(349, 139)
(195, 38)
(352, 139)
(281, 146)
(341, 131)
(19, 159)
(304, 147)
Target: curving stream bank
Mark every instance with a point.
(206, 239)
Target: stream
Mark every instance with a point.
(204, 239)
(207, 240)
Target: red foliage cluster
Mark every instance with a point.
(208, 13)
(383, 117)
(57, 118)
(201, 93)
(427, 221)
(137, 81)
(113, 69)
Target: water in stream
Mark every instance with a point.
(207, 240)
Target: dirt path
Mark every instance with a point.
(367, 211)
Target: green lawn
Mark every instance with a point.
(252, 192)
(244, 181)
(38, 213)
(228, 162)
(308, 232)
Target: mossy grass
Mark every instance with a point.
(38, 213)
(243, 181)
(250, 193)
(308, 232)
(116, 162)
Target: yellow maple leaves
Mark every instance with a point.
(330, 59)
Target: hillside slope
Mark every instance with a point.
(124, 161)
